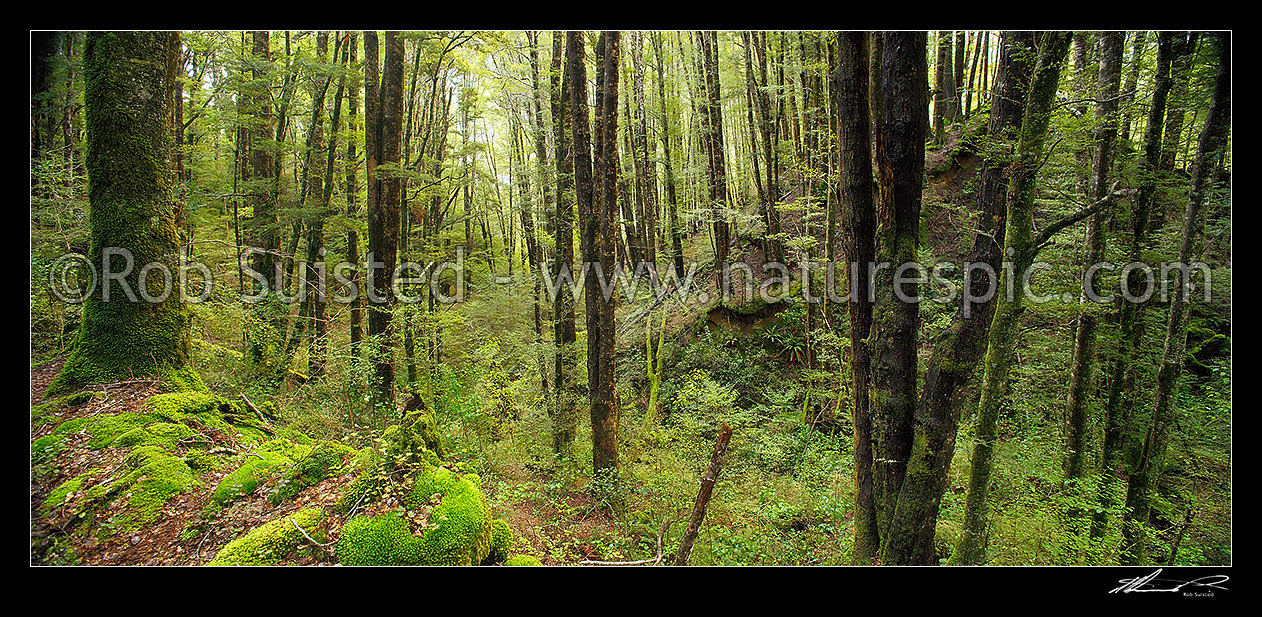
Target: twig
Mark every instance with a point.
(304, 532)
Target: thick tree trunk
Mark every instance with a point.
(385, 121)
(958, 350)
(900, 163)
(129, 329)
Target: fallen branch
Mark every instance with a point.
(666, 523)
(703, 496)
(256, 411)
(304, 532)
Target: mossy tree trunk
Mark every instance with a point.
(1148, 469)
(604, 411)
(1108, 83)
(1021, 248)
(564, 416)
(383, 116)
(129, 82)
(895, 314)
(1121, 383)
(959, 349)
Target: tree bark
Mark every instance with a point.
(129, 78)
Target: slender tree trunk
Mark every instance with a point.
(850, 88)
(604, 409)
(665, 122)
(1106, 92)
(565, 416)
(1002, 335)
(1147, 472)
(1120, 384)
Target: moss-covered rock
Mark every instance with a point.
(154, 477)
(255, 468)
(522, 560)
(324, 460)
(270, 542)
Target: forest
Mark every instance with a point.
(630, 298)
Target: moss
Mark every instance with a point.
(461, 533)
(459, 530)
(41, 411)
(65, 491)
(202, 462)
(384, 540)
(204, 410)
(176, 406)
(163, 434)
(46, 447)
(408, 441)
(104, 430)
(183, 380)
(321, 462)
(501, 540)
(522, 560)
(155, 476)
(254, 469)
(367, 484)
(270, 542)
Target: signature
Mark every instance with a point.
(1152, 583)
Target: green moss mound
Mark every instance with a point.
(411, 439)
(384, 540)
(155, 476)
(501, 541)
(255, 468)
(164, 434)
(321, 462)
(270, 542)
(522, 560)
(459, 530)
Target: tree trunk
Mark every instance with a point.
(895, 320)
(1120, 383)
(958, 350)
(1106, 95)
(1147, 472)
(1022, 248)
(129, 329)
